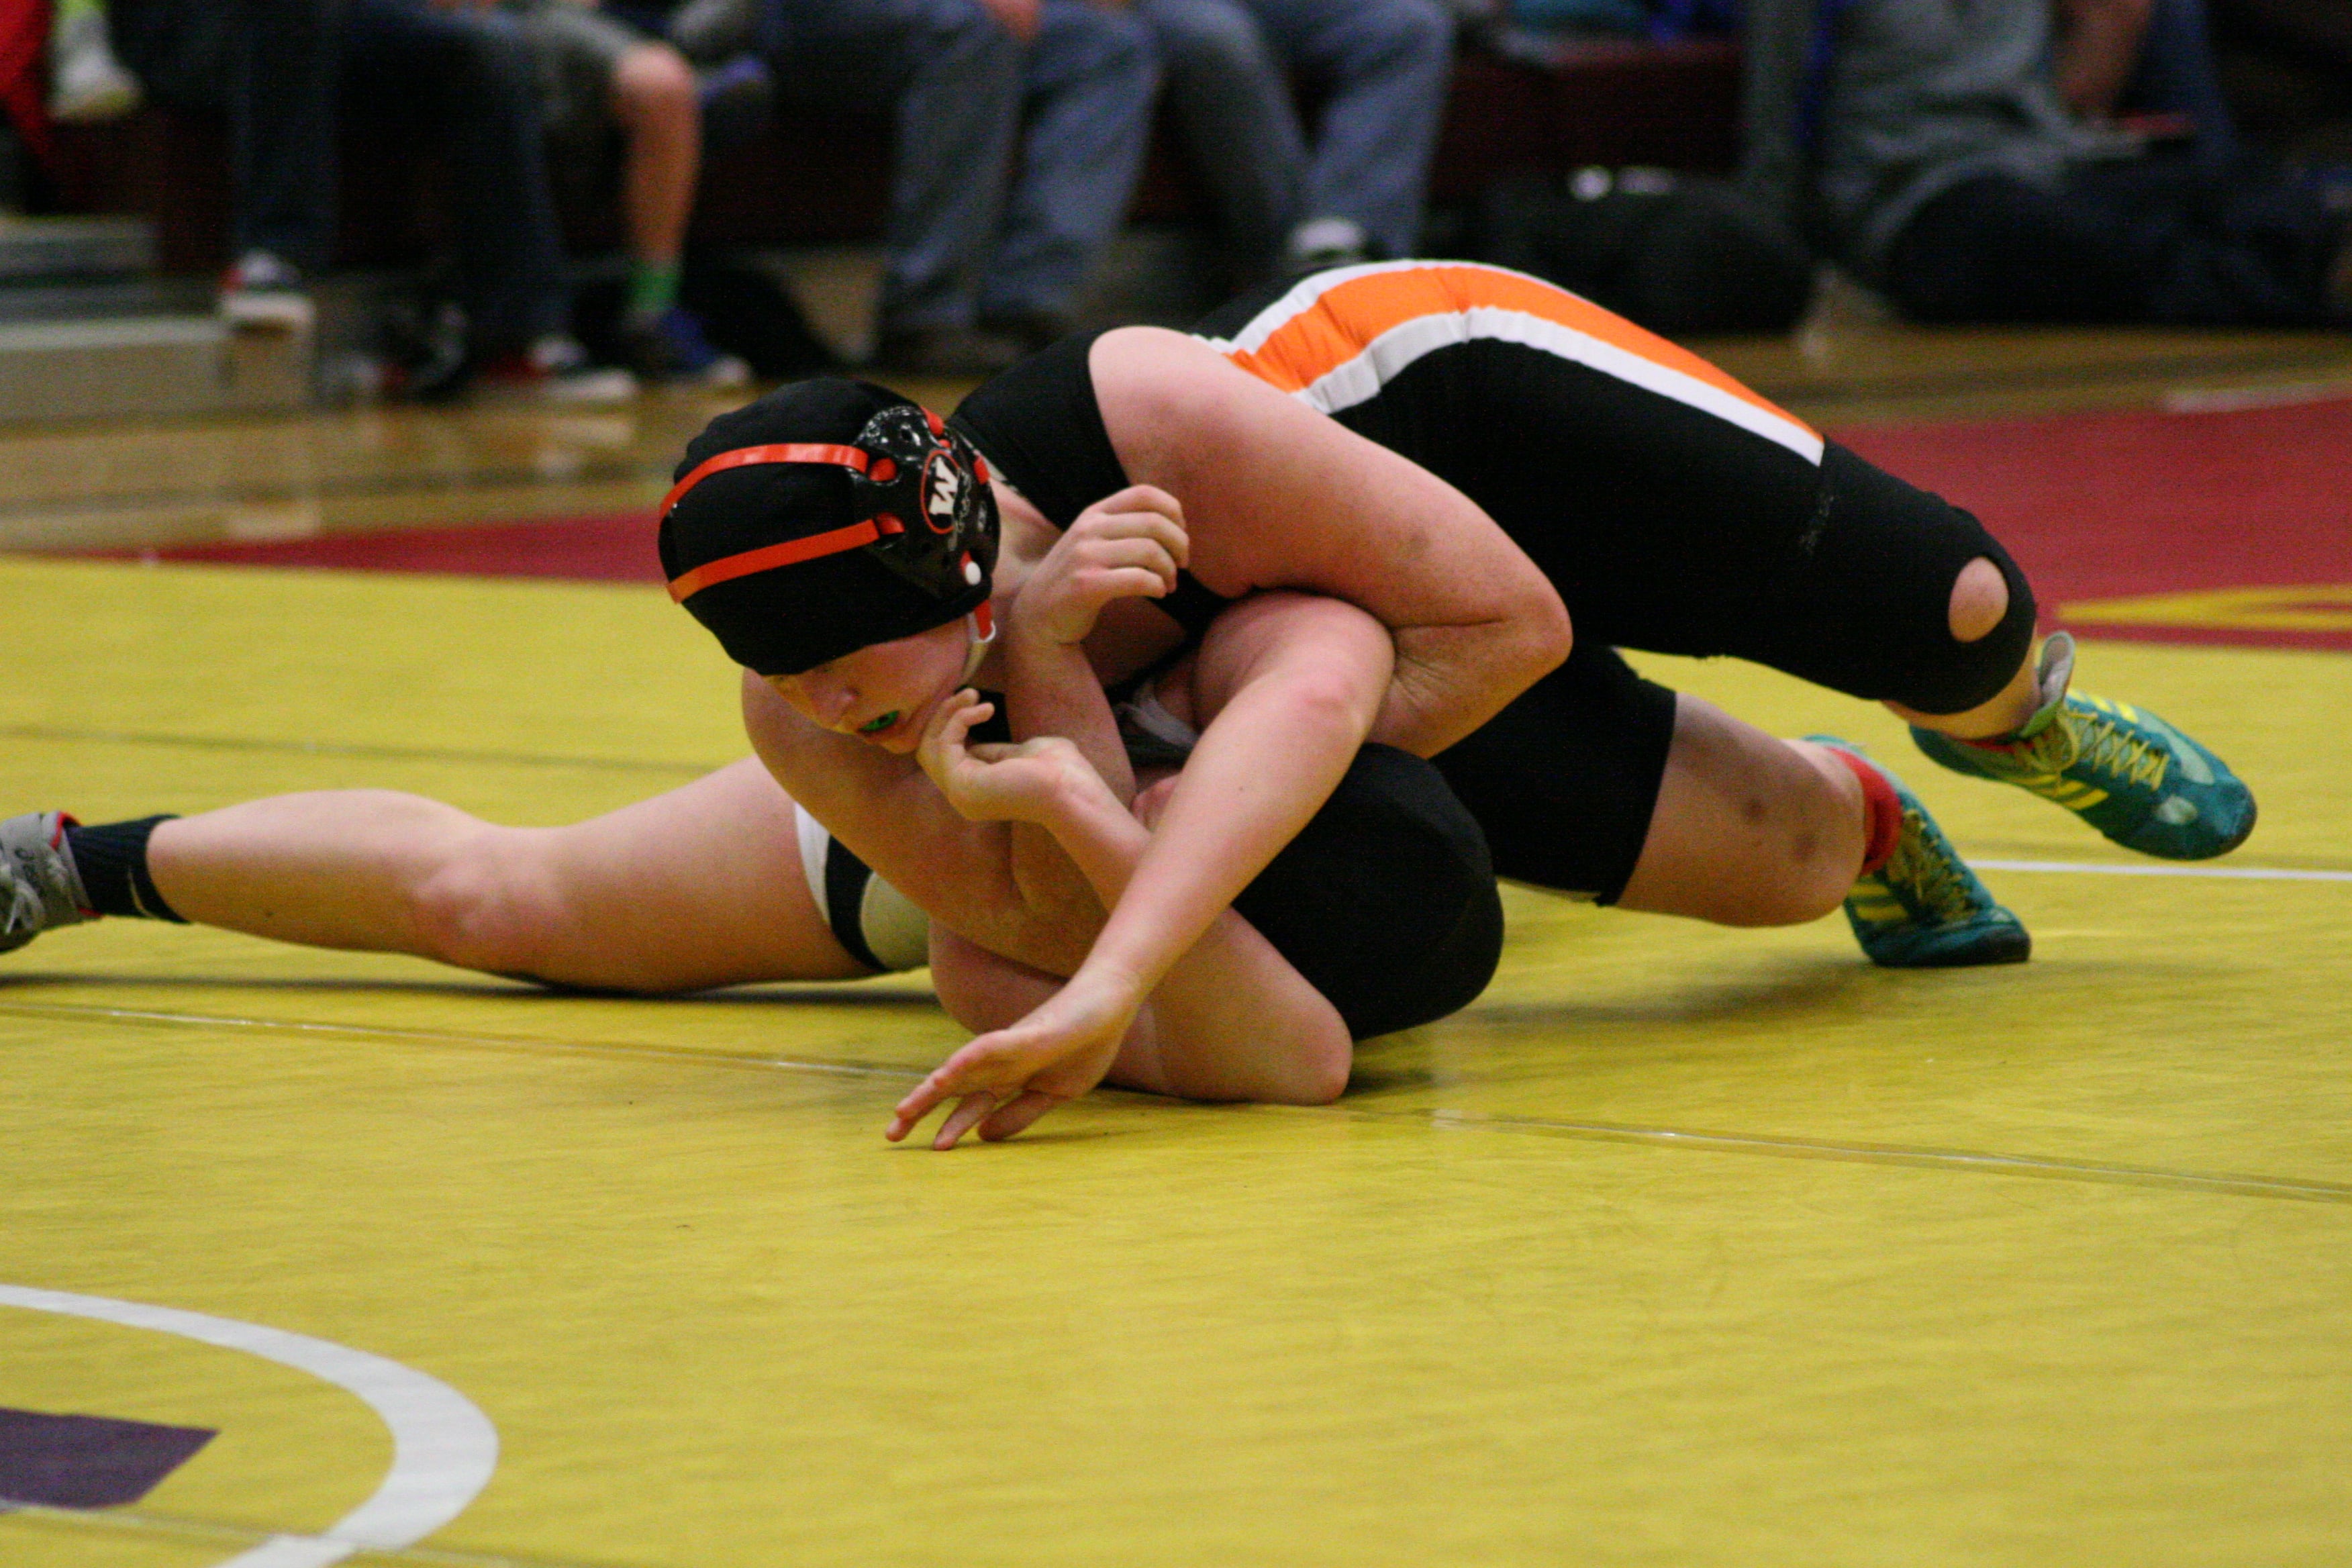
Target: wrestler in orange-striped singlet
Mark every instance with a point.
(1630, 468)
(1674, 509)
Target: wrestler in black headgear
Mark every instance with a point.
(828, 516)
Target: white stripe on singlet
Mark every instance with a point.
(1283, 311)
(1360, 379)
(1387, 356)
(814, 842)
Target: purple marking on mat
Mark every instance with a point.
(88, 1461)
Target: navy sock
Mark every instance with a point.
(112, 861)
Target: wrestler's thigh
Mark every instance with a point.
(700, 886)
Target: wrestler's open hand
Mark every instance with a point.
(1125, 546)
(993, 782)
(1004, 1081)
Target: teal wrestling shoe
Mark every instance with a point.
(1925, 908)
(2121, 769)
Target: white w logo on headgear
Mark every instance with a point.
(944, 483)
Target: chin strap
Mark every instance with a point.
(981, 624)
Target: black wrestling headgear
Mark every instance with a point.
(826, 517)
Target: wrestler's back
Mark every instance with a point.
(1637, 475)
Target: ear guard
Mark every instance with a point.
(920, 494)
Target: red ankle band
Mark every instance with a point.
(1882, 812)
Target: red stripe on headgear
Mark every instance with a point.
(791, 551)
(746, 456)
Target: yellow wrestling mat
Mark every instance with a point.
(1684, 1246)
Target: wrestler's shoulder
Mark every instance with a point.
(1158, 369)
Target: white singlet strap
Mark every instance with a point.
(894, 930)
(814, 842)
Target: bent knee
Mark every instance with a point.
(1979, 601)
(1806, 895)
(1329, 1084)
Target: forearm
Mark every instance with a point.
(1449, 680)
(1230, 1019)
(1051, 690)
(959, 872)
(1291, 684)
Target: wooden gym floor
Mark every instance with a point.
(1682, 1246)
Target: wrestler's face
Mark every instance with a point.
(884, 694)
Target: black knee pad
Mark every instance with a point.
(1867, 607)
(1386, 901)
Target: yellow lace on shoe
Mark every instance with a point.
(1933, 880)
(2110, 748)
(2083, 734)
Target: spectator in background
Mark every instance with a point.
(977, 274)
(2149, 64)
(1927, 147)
(598, 71)
(1357, 194)
(459, 70)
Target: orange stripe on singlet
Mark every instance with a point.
(1340, 324)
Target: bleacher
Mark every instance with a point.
(162, 175)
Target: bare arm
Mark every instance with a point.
(1230, 1020)
(959, 872)
(1004, 884)
(1293, 682)
(1297, 679)
(1277, 496)
(1128, 545)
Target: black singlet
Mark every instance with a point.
(1039, 425)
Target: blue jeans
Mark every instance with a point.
(964, 244)
(466, 73)
(1386, 64)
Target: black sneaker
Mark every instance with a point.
(670, 349)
